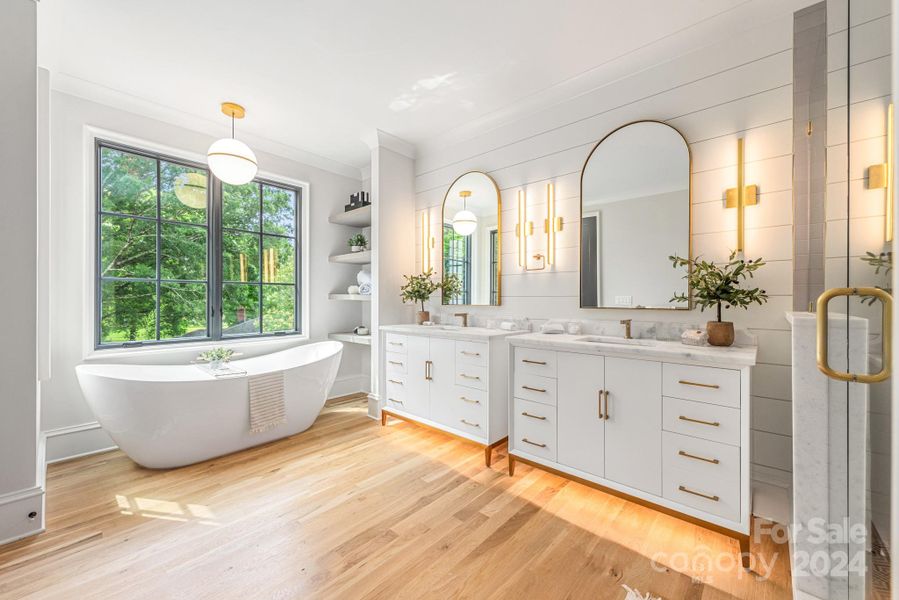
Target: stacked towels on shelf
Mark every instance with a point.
(363, 278)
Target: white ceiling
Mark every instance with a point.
(317, 75)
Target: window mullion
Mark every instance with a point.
(158, 247)
(214, 308)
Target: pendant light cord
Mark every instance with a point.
(232, 125)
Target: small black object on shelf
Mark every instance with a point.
(357, 200)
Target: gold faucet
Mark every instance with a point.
(464, 318)
(627, 328)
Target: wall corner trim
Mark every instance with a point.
(381, 139)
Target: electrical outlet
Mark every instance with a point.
(624, 300)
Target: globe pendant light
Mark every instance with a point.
(465, 221)
(229, 159)
(190, 189)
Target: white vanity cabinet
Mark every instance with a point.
(451, 379)
(663, 424)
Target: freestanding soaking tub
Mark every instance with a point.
(165, 416)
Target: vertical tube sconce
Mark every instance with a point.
(523, 229)
(425, 242)
(552, 225)
(881, 176)
(740, 197)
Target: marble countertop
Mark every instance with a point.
(733, 356)
(451, 331)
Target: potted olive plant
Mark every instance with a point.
(357, 242)
(714, 285)
(418, 288)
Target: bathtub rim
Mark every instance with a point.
(197, 375)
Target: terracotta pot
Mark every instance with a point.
(422, 316)
(721, 333)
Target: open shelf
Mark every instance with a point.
(352, 258)
(356, 297)
(358, 217)
(352, 338)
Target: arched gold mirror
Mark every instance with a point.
(635, 213)
(472, 239)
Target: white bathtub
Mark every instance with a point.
(165, 416)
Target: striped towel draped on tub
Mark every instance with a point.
(266, 401)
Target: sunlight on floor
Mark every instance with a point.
(167, 510)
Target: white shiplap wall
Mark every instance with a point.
(739, 88)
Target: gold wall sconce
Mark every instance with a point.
(881, 177)
(552, 225)
(427, 241)
(523, 230)
(741, 196)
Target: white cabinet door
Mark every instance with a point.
(442, 372)
(417, 388)
(634, 424)
(579, 404)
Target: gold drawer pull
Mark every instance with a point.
(467, 353)
(533, 362)
(700, 494)
(711, 386)
(395, 362)
(464, 399)
(527, 414)
(700, 421)
(395, 381)
(533, 389)
(469, 423)
(396, 343)
(527, 441)
(714, 461)
(397, 401)
(464, 376)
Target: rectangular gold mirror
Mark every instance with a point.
(472, 240)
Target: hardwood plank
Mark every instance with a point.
(350, 509)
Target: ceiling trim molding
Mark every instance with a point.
(381, 139)
(88, 90)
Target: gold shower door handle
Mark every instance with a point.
(886, 332)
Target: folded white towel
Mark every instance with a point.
(363, 276)
(266, 401)
(365, 289)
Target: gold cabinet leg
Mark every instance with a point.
(488, 455)
(383, 418)
(511, 466)
(745, 556)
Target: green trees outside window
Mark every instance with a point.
(182, 256)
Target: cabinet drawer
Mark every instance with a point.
(471, 376)
(703, 384)
(396, 343)
(693, 478)
(396, 363)
(535, 429)
(465, 409)
(702, 420)
(471, 353)
(396, 392)
(535, 362)
(535, 388)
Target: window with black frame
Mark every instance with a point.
(457, 261)
(165, 230)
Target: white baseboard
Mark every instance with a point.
(73, 441)
(21, 514)
(349, 384)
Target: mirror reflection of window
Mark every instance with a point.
(472, 239)
(635, 213)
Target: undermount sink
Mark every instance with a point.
(606, 339)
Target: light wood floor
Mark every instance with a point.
(349, 510)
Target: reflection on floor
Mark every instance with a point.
(350, 509)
